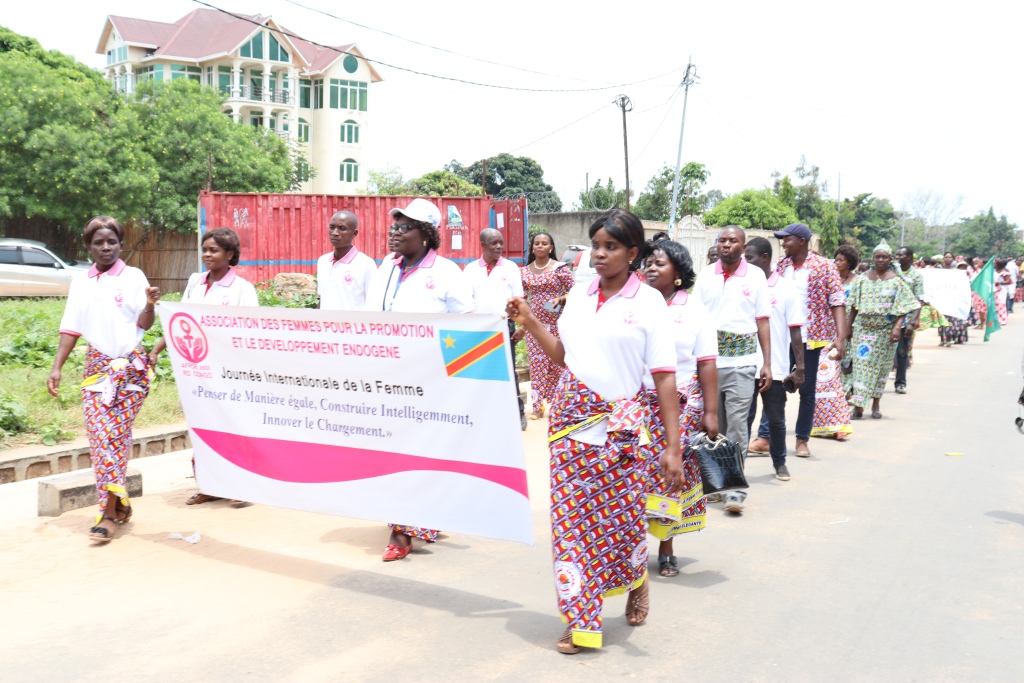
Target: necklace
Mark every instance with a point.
(541, 269)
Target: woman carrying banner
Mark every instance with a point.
(614, 331)
(879, 302)
(669, 270)
(546, 282)
(218, 286)
(414, 279)
(112, 307)
(955, 331)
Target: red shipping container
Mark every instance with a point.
(287, 233)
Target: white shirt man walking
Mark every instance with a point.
(343, 275)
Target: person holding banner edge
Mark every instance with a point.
(613, 331)
(415, 279)
(112, 307)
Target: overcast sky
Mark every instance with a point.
(895, 97)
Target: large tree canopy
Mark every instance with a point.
(757, 209)
(511, 175)
(985, 235)
(655, 202)
(72, 148)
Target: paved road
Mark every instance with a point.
(882, 560)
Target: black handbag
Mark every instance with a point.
(720, 466)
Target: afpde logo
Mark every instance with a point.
(188, 338)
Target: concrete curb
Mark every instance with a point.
(31, 462)
(65, 492)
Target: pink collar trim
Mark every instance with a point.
(225, 281)
(347, 258)
(680, 298)
(628, 290)
(497, 264)
(114, 270)
(427, 262)
(741, 269)
(773, 279)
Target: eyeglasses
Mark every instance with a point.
(401, 229)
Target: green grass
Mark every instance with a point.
(28, 343)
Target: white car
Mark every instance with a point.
(578, 258)
(28, 268)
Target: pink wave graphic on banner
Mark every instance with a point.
(322, 464)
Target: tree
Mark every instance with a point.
(387, 181)
(985, 235)
(197, 147)
(654, 203)
(511, 175)
(443, 183)
(866, 220)
(757, 209)
(601, 198)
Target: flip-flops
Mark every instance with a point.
(667, 565)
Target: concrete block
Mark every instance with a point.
(136, 449)
(38, 469)
(63, 492)
(155, 447)
(84, 462)
(7, 475)
(64, 463)
(179, 443)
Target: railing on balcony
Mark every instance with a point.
(255, 93)
(279, 96)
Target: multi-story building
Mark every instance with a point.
(316, 98)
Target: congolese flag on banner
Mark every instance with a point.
(984, 285)
(474, 355)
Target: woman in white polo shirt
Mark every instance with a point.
(613, 331)
(669, 270)
(112, 306)
(218, 286)
(414, 279)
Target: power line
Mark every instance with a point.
(434, 47)
(430, 75)
(603, 106)
(663, 119)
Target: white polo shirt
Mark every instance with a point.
(611, 349)
(787, 313)
(104, 308)
(230, 290)
(436, 285)
(736, 303)
(492, 290)
(694, 333)
(342, 283)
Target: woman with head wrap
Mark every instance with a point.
(879, 301)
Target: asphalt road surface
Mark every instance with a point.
(883, 559)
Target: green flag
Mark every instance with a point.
(984, 285)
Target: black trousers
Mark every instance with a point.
(903, 355)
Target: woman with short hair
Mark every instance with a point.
(613, 332)
(546, 282)
(669, 270)
(413, 278)
(112, 306)
(219, 285)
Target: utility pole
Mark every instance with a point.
(688, 79)
(483, 185)
(625, 104)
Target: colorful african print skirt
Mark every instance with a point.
(113, 390)
(873, 355)
(669, 516)
(831, 414)
(734, 345)
(955, 332)
(598, 496)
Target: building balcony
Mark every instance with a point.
(257, 93)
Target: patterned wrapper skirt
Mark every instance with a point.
(669, 516)
(873, 355)
(598, 527)
(113, 390)
(831, 415)
(544, 373)
(428, 535)
(955, 332)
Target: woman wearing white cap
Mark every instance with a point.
(415, 279)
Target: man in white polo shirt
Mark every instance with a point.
(736, 294)
(787, 352)
(494, 280)
(343, 275)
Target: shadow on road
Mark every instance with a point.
(1015, 517)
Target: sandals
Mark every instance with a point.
(856, 413)
(393, 552)
(638, 604)
(565, 644)
(198, 498)
(127, 512)
(667, 565)
(98, 533)
(876, 414)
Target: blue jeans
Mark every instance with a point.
(773, 420)
(805, 415)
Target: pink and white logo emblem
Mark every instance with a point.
(630, 318)
(348, 277)
(119, 297)
(429, 282)
(746, 291)
(188, 338)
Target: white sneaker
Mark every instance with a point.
(734, 503)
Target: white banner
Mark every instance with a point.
(394, 417)
(948, 291)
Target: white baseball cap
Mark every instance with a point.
(420, 210)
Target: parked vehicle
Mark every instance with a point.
(578, 258)
(29, 268)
